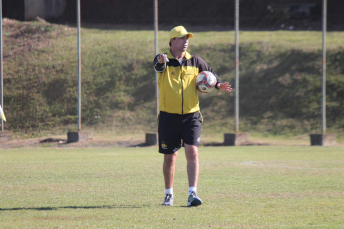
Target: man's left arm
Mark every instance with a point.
(222, 86)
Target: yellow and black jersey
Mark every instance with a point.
(177, 83)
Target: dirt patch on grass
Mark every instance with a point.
(62, 142)
(52, 142)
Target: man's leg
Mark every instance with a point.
(191, 153)
(169, 168)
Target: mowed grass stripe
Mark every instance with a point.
(241, 187)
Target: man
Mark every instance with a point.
(180, 118)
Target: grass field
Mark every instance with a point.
(241, 187)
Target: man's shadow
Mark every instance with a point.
(71, 207)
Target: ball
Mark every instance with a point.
(205, 82)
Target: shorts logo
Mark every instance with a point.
(163, 145)
(198, 139)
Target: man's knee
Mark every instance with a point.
(191, 152)
(170, 158)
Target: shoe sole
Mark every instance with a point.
(195, 202)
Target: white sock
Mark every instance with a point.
(192, 189)
(169, 191)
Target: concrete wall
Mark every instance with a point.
(44, 8)
(54, 8)
(34, 8)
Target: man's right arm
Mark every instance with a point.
(160, 63)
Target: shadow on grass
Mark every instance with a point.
(141, 145)
(212, 144)
(247, 143)
(71, 207)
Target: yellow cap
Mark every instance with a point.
(179, 31)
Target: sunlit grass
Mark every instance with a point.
(241, 187)
(304, 40)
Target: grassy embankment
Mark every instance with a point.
(280, 81)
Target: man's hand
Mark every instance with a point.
(162, 58)
(224, 87)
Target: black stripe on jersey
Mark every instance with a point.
(173, 63)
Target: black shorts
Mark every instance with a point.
(174, 130)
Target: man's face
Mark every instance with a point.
(180, 43)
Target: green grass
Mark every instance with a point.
(241, 187)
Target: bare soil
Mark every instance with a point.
(57, 142)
